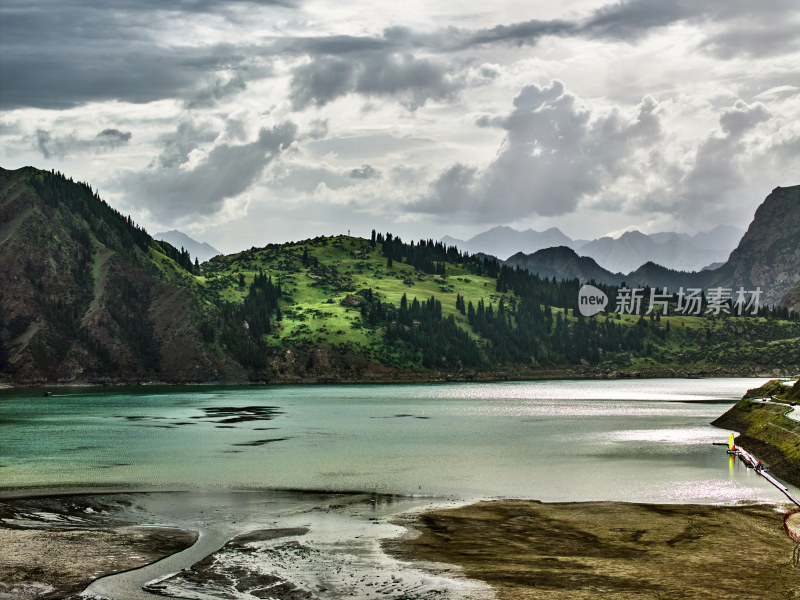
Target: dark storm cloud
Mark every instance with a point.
(61, 54)
(58, 54)
(527, 33)
(556, 152)
(735, 26)
(635, 18)
(173, 192)
(336, 45)
(65, 145)
(409, 80)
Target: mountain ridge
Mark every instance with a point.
(767, 258)
(88, 296)
(622, 254)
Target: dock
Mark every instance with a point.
(755, 464)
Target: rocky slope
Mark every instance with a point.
(769, 254)
(791, 299)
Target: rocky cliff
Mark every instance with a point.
(769, 254)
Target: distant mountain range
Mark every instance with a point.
(623, 254)
(768, 257)
(503, 241)
(199, 250)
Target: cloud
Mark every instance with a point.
(64, 145)
(63, 54)
(365, 172)
(307, 178)
(754, 39)
(318, 129)
(217, 90)
(123, 52)
(733, 28)
(525, 33)
(321, 81)
(727, 169)
(740, 117)
(170, 192)
(409, 80)
(188, 136)
(556, 152)
(364, 147)
(718, 167)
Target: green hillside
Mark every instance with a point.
(88, 296)
(339, 295)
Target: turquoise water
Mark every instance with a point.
(643, 440)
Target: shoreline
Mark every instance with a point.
(401, 378)
(520, 548)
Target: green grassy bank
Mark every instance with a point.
(766, 431)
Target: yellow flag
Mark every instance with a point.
(731, 445)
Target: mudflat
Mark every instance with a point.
(59, 564)
(610, 550)
(53, 547)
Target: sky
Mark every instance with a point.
(248, 122)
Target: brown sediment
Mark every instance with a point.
(47, 564)
(610, 550)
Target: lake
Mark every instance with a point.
(631, 440)
(233, 460)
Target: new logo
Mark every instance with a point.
(591, 300)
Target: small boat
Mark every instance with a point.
(731, 445)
